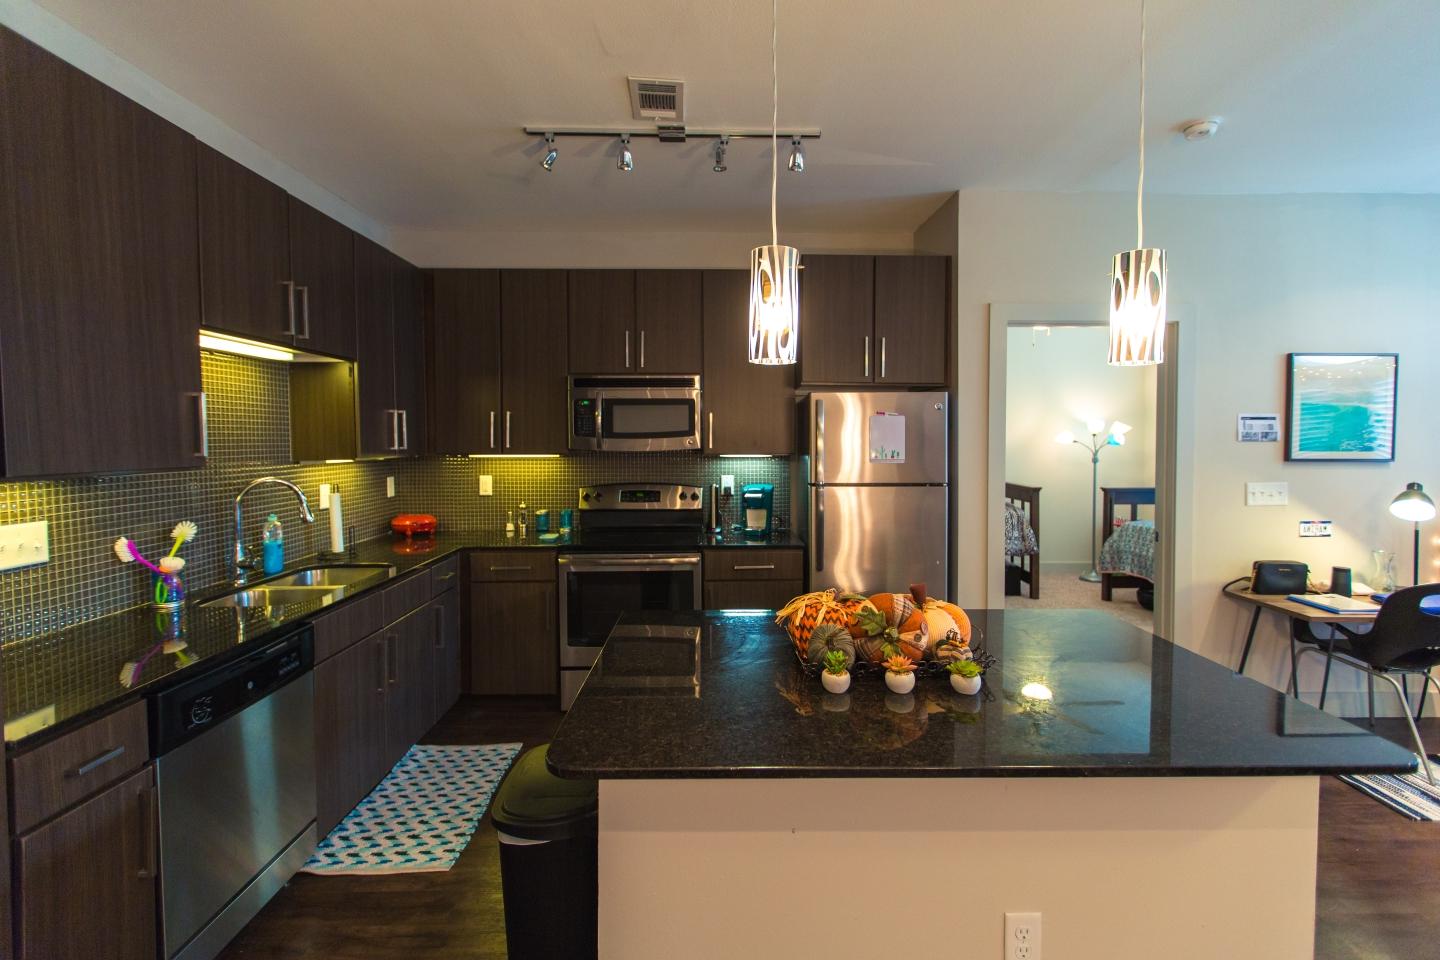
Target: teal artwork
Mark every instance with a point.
(1341, 406)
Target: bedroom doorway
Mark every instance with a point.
(1050, 379)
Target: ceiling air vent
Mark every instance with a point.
(657, 99)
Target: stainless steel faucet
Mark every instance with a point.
(243, 564)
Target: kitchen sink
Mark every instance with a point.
(270, 596)
(323, 584)
(347, 576)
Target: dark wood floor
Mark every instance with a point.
(1377, 895)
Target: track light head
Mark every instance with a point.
(721, 146)
(551, 153)
(626, 161)
(797, 156)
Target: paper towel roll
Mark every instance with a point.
(337, 525)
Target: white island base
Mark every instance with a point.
(1184, 868)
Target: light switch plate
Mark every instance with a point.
(389, 486)
(487, 485)
(324, 496)
(1267, 494)
(24, 544)
(1315, 528)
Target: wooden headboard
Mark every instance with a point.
(1132, 497)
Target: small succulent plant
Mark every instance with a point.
(837, 663)
(965, 668)
(899, 664)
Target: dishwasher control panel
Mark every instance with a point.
(188, 709)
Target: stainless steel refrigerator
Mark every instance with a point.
(872, 485)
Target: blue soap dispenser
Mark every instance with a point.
(272, 546)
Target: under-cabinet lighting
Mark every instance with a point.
(342, 460)
(747, 456)
(514, 456)
(249, 348)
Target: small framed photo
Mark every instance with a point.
(1341, 406)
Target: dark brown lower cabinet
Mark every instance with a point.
(409, 681)
(750, 594)
(513, 647)
(86, 880)
(349, 729)
(445, 626)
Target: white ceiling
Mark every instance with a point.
(411, 111)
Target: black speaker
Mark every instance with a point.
(1278, 577)
(1340, 581)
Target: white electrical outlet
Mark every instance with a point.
(1022, 936)
(324, 496)
(1267, 494)
(24, 544)
(487, 485)
(1315, 528)
(727, 483)
(389, 486)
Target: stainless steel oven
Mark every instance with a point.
(635, 413)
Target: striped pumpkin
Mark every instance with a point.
(804, 613)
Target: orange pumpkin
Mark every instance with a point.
(804, 613)
(894, 620)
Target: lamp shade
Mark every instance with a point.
(1413, 504)
(1137, 308)
(1064, 436)
(774, 304)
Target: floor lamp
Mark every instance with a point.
(1415, 505)
(1115, 438)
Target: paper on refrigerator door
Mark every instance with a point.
(887, 437)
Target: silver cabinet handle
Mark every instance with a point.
(202, 424)
(508, 569)
(882, 358)
(405, 427)
(451, 576)
(90, 766)
(289, 286)
(492, 429)
(867, 356)
(394, 443)
(710, 420)
(753, 566)
(304, 311)
(507, 429)
(642, 349)
(627, 349)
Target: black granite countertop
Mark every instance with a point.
(69, 676)
(734, 703)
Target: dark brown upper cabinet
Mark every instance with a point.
(748, 408)
(837, 320)
(380, 427)
(322, 267)
(100, 301)
(533, 327)
(912, 299)
(602, 321)
(463, 337)
(668, 315)
(410, 390)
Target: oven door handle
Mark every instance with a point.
(638, 562)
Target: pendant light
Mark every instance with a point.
(774, 269)
(1138, 277)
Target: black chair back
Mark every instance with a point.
(1407, 630)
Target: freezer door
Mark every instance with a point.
(874, 539)
(877, 437)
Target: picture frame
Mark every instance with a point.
(1340, 407)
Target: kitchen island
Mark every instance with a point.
(1145, 800)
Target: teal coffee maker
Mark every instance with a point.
(757, 509)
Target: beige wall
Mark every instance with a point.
(1055, 382)
(1259, 276)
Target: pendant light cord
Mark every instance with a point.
(774, 117)
(1140, 187)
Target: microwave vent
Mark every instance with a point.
(652, 99)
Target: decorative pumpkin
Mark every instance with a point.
(892, 625)
(804, 613)
(949, 630)
(827, 637)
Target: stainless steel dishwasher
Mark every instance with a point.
(236, 784)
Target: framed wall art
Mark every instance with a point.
(1341, 406)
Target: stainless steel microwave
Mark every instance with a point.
(637, 413)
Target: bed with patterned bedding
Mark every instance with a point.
(1127, 558)
(1022, 539)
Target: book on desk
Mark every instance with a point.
(1337, 603)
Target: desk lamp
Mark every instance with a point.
(1414, 504)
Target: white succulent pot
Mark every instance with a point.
(834, 684)
(965, 685)
(900, 682)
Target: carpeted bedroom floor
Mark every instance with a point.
(1066, 591)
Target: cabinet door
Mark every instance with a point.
(602, 321)
(837, 320)
(751, 594)
(322, 264)
(88, 878)
(410, 681)
(513, 646)
(464, 362)
(375, 349)
(445, 626)
(100, 297)
(668, 314)
(244, 251)
(912, 297)
(533, 351)
(410, 357)
(748, 408)
(349, 729)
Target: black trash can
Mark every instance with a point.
(548, 860)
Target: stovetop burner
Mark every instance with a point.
(641, 517)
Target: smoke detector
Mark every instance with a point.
(659, 100)
(1200, 129)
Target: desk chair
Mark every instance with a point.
(1404, 640)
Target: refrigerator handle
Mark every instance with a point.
(819, 476)
(819, 529)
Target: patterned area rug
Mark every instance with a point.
(421, 816)
(1406, 793)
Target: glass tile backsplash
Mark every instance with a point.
(249, 409)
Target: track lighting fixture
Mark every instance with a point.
(797, 156)
(551, 153)
(721, 146)
(626, 162)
